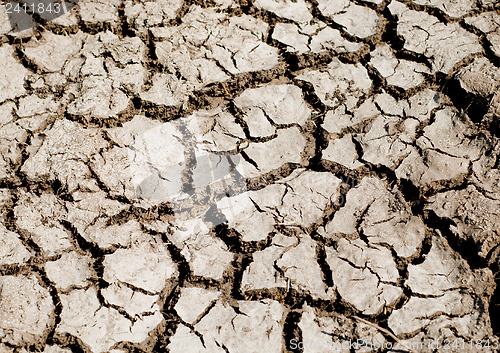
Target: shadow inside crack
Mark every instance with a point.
(474, 106)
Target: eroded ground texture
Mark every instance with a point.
(251, 176)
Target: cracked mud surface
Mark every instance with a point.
(251, 176)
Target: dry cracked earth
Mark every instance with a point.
(251, 176)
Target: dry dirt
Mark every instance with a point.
(309, 176)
